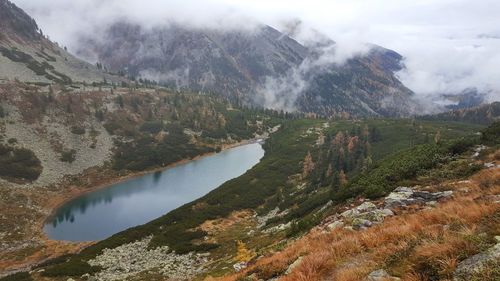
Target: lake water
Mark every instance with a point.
(104, 212)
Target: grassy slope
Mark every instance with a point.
(417, 244)
(285, 151)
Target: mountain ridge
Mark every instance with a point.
(260, 67)
(29, 56)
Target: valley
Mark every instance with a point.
(171, 151)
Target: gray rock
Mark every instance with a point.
(366, 206)
(404, 196)
(431, 203)
(489, 165)
(239, 266)
(336, 224)
(403, 189)
(349, 214)
(475, 263)
(387, 212)
(293, 265)
(358, 223)
(380, 275)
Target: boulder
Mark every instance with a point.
(334, 225)
(398, 197)
(349, 214)
(293, 265)
(376, 216)
(387, 212)
(239, 266)
(489, 165)
(358, 223)
(366, 206)
(380, 275)
(469, 266)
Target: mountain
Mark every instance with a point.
(465, 99)
(27, 55)
(259, 66)
(484, 114)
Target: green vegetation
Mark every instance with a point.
(386, 174)
(77, 130)
(19, 163)
(307, 163)
(483, 115)
(491, 134)
(74, 268)
(20, 276)
(68, 156)
(40, 68)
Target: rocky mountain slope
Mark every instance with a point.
(27, 55)
(258, 66)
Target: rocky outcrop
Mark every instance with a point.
(404, 196)
(130, 259)
(366, 214)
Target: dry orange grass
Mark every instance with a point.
(336, 255)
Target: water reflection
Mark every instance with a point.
(101, 213)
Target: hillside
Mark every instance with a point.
(484, 114)
(259, 66)
(347, 189)
(27, 55)
(444, 227)
(277, 185)
(60, 141)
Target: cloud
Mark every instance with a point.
(448, 45)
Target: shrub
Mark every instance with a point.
(74, 267)
(19, 163)
(78, 130)
(20, 276)
(68, 156)
(153, 127)
(111, 127)
(491, 134)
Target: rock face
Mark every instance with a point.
(469, 266)
(130, 259)
(257, 65)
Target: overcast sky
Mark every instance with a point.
(448, 45)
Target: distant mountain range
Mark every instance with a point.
(261, 66)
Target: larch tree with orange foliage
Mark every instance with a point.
(308, 165)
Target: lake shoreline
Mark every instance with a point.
(76, 192)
